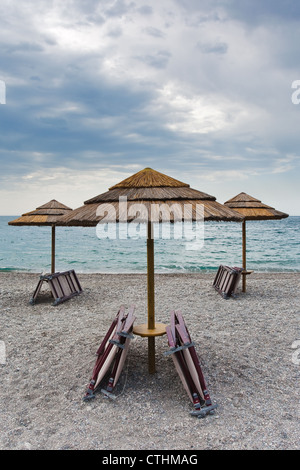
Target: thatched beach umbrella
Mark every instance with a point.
(155, 197)
(251, 209)
(47, 214)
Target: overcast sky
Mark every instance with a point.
(198, 89)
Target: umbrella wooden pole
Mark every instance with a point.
(150, 277)
(151, 329)
(244, 255)
(151, 295)
(53, 250)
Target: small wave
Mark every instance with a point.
(4, 270)
(77, 262)
(186, 269)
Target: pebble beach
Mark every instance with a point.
(248, 349)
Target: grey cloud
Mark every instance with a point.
(257, 11)
(23, 47)
(145, 10)
(50, 41)
(213, 47)
(88, 8)
(115, 32)
(199, 19)
(159, 60)
(154, 32)
(96, 19)
(119, 8)
(250, 12)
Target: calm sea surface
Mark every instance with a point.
(272, 246)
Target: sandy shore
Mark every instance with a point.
(246, 346)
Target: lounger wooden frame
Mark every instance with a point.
(63, 286)
(112, 353)
(187, 364)
(227, 280)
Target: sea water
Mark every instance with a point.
(272, 246)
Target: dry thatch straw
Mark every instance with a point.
(47, 214)
(253, 209)
(149, 178)
(149, 188)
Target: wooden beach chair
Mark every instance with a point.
(63, 286)
(112, 353)
(187, 364)
(227, 280)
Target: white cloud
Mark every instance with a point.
(228, 175)
(69, 186)
(283, 165)
(189, 113)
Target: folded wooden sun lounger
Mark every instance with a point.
(227, 280)
(63, 286)
(188, 366)
(112, 353)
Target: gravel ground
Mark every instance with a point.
(248, 347)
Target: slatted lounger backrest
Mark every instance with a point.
(63, 286)
(226, 280)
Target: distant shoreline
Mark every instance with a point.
(173, 273)
(137, 273)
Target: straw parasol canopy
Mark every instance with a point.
(48, 214)
(149, 188)
(252, 209)
(149, 197)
